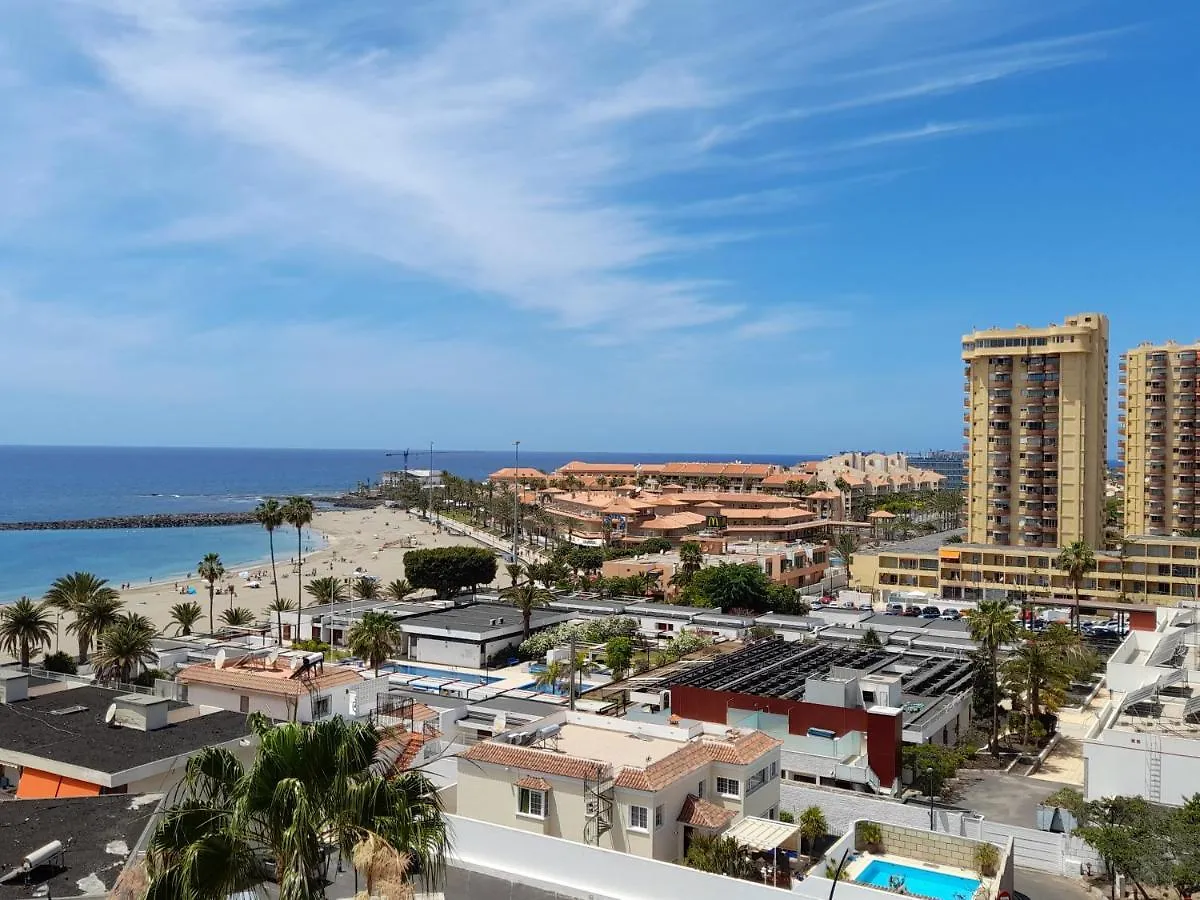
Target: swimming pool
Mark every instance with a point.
(557, 690)
(423, 672)
(926, 882)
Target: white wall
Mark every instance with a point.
(449, 653)
(1119, 764)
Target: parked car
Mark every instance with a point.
(931, 612)
(846, 604)
(894, 609)
(824, 601)
(951, 615)
(866, 606)
(912, 611)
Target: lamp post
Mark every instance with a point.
(516, 497)
(929, 772)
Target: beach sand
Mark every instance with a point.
(375, 539)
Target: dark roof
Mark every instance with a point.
(517, 705)
(82, 739)
(93, 825)
(476, 618)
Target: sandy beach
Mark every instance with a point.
(374, 539)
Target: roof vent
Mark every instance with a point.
(141, 712)
(14, 686)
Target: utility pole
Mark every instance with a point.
(516, 498)
(429, 508)
(571, 673)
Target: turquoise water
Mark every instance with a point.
(405, 669)
(31, 560)
(926, 882)
(556, 691)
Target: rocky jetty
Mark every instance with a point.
(158, 520)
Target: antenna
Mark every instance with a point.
(110, 714)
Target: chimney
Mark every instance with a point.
(141, 712)
(14, 685)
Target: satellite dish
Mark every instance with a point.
(272, 658)
(219, 662)
(110, 714)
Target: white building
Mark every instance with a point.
(471, 635)
(640, 788)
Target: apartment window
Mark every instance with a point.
(700, 790)
(243, 704)
(658, 816)
(639, 818)
(728, 787)
(531, 803)
(757, 780)
(320, 707)
(774, 770)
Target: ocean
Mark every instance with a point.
(49, 483)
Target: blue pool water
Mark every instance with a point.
(405, 669)
(557, 691)
(926, 882)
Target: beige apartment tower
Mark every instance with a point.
(1159, 388)
(1037, 426)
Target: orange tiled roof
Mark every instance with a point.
(510, 473)
(743, 749)
(673, 521)
(824, 495)
(534, 784)
(703, 813)
(577, 467)
(665, 771)
(260, 680)
(531, 759)
(788, 513)
(715, 470)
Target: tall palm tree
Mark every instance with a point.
(555, 676)
(91, 618)
(309, 784)
(1076, 560)
(691, 559)
(185, 615)
(237, 617)
(516, 571)
(298, 512)
(25, 628)
(70, 592)
(326, 589)
(269, 514)
(399, 589)
(375, 637)
(846, 545)
(122, 650)
(1039, 673)
(212, 570)
(366, 589)
(526, 597)
(279, 606)
(813, 825)
(137, 621)
(992, 625)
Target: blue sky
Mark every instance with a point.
(606, 224)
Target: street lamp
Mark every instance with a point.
(516, 496)
(929, 772)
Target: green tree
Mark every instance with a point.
(556, 676)
(1076, 560)
(618, 654)
(60, 661)
(71, 593)
(185, 615)
(732, 587)
(122, 649)
(515, 572)
(691, 561)
(269, 514)
(365, 588)
(375, 637)
(449, 570)
(871, 638)
(309, 785)
(237, 617)
(526, 598)
(279, 606)
(944, 761)
(993, 624)
(585, 559)
(298, 512)
(399, 589)
(25, 628)
(813, 826)
(846, 545)
(211, 570)
(722, 856)
(326, 590)
(92, 617)
(1040, 671)
(1132, 837)
(760, 633)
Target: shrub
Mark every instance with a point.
(311, 646)
(597, 631)
(785, 816)
(147, 678)
(60, 662)
(987, 859)
(868, 836)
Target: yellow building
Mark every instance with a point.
(1037, 423)
(1158, 393)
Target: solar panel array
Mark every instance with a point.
(1138, 695)
(1166, 648)
(1192, 706)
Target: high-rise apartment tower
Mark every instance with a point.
(1037, 425)
(1158, 398)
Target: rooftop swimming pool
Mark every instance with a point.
(556, 690)
(423, 672)
(926, 882)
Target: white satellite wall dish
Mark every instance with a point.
(219, 662)
(110, 714)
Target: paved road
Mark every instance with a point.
(1011, 799)
(1041, 886)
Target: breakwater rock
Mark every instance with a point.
(158, 520)
(350, 501)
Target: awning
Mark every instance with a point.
(38, 785)
(762, 834)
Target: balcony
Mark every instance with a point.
(1000, 412)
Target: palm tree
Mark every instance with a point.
(309, 785)
(516, 571)
(211, 570)
(269, 514)
(298, 512)
(399, 589)
(722, 856)
(846, 544)
(138, 622)
(25, 628)
(366, 589)
(91, 618)
(1076, 560)
(279, 606)
(374, 637)
(813, 825)
(185, 615)
(326, 590)
(992, 625)
(691, 559)
(554, 676)
(122, 650)
(69, 593)
(1039, 672)
(583, 666)
(526, 597)
(237, 617)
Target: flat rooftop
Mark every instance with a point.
(620, 748)
(477, 618)
(782, 668)
(925, 543)
(101, 832)
(40, 726)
